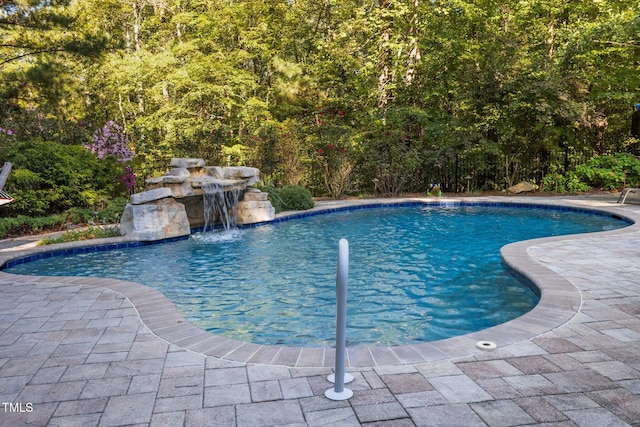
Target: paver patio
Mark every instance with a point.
(76, 352)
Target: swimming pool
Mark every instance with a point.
(417, 273)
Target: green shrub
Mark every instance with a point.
(392, 154)
(112, 210)
(288, 198)
(48, 177)
(109, 214)
(559, 183)
(296, 198)
(610, 172)
(604, 172)
(89, 197)
(24, 225)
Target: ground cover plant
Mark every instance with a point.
(20, 225)
(78, 235)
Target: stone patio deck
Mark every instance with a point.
(99, 352)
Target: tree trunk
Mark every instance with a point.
(136, 40)
(385, 75)
(414, 53)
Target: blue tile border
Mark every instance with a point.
(306, 214)
(438, 204)
(83, 250)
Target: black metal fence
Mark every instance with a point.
(480, 171)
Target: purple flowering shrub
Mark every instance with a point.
(129, 179)
(111, 141)
(7, 132)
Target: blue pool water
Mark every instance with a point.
(416, 273)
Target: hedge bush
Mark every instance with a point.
(296, 198)
(288, 198)
(49, 178)
(109, 213)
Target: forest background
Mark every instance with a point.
(345, 97)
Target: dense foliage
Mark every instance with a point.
(21, 224)
(341, 97)
(610, 172)
(51, 178)
(288, 198)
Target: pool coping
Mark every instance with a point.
(559, 302)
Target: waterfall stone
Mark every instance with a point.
(174, 202)
(177, 176)
(253, 194)
(214, 171)
(156, 220)
(254, 211)
(151, 196)
(254, 207)
(251, 175)
(181, 172)
(187, 163)
(240, 172)
(228, 184)
(184, 190)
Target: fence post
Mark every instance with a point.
(339, 392)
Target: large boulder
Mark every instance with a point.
(214, 171)
(522, 187)
(156, 220)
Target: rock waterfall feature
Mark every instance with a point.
(174, 204)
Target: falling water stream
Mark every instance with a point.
(220, 206)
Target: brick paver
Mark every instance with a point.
(76, 352)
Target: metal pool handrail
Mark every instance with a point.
(339, 392)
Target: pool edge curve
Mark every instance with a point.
(560, 300)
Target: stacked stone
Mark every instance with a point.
(254, 207)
